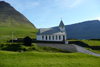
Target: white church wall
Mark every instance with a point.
(39, 37)
(61, 37)
(47, 37)
(51, 38)
(54, 37)
(44, 37)
(62, 29)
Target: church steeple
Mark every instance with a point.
(62, 26)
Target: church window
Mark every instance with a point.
(53, 37)
(56, 37)
(59, 37)
(63, 38)
(42, 37)
(49, 37)
(46, 37)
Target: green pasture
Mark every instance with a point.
(18, 32)
(46, 59)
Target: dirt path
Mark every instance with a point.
(68, 47)
(83, 50)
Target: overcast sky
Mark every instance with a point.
(48, 13)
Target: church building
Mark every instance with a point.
(53, 34)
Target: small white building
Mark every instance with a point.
(53, 34)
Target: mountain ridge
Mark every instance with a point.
(84, 30)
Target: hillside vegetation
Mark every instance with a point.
(43, 59)
(89, 42)
(11, 17)
(18, 32)
(92, 42)
(13, 21)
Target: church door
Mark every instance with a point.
(63, 38)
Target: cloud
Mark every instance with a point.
(68, 3)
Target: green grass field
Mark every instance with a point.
(93, 43)
(18, 32)
(41, 56)
(44, 59)
(96, 51)
(90, 42)
(18, 47)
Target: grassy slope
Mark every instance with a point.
(18, 32)
(42, 59)
(96, 51)
(20, 28)
(90, 42)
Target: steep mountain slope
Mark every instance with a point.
(11, 17)
(84, 30)
(13, 21)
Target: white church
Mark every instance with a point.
(53, 34)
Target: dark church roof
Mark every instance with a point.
(52, 31)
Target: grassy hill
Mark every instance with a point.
(43, 59)
(92, 42)
(12, 20)
(18, 32)
(11, 17)
(89, 42)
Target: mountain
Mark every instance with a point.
(84, 30)
(11, 17)
(13, 21)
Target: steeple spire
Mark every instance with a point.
(61, 24)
